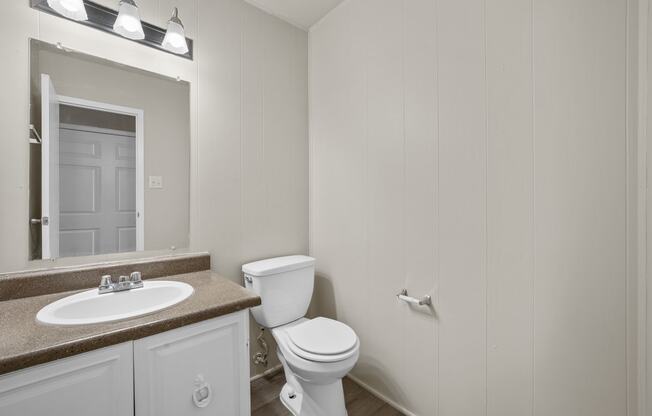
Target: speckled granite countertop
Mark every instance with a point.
(24, 342)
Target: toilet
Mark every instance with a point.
(315, 353)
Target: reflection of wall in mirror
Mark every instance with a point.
(165, 104)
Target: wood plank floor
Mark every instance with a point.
(359, 402)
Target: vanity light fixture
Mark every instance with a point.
(124, 22)
(175, 37)
(72, 9)
(128, 23)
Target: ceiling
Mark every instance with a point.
(302, 13)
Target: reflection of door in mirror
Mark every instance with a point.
(92, 200)
(49, 168)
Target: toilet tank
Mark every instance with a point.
(284, 285)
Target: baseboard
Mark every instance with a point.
(381, 396)
(267, 372)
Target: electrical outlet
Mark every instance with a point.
(155, 182)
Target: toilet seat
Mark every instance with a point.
(322, 340)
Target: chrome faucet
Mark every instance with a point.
(133, 281)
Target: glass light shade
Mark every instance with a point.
(128, 22)
(72, 9)
(175, 37)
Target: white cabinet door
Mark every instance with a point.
(201, 369)
(98, 383)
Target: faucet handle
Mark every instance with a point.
(136, 277)
(106, 281)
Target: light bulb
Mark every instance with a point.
(72, 9)
(128, 23)
(175, 37)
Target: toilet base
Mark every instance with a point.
(291, 399)
(307, 399)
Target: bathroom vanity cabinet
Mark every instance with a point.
(198, 369)
(98, 383)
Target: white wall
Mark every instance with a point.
(477, 151)
(249, 138)
(252, 165)
(645, 143)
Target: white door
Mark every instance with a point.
(97, 191)
(49, 169)
(201, 369)
(98, 383)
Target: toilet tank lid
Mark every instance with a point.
(277, 265)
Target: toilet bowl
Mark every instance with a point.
(315, 385)
(315, 353)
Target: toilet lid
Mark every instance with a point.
(323, 336)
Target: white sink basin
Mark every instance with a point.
(91, 308)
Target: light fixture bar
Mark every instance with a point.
(103, 18)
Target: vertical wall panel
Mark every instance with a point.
(252, 157)
(385, 228)
(298, 130)
(338, 185)
(510, 210)
(647, 363)
(285, 207)
(219, 129)
(636, 229)
(421, 265)
(462, 153)
(580, 191)
(255, 160)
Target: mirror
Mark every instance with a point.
(109, 156)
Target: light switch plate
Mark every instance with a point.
(155, 182)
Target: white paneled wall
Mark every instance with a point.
(253, 148)
(510, 208)
(252, 161)
(580, 219)
(476, 150)
(462, 189)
